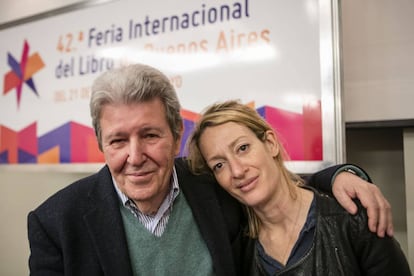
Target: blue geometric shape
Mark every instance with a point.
(4, 157)
(14, 64)
(31, 84)
(262, 111)
(26, 158)
(188, 128)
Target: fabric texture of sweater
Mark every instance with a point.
(180, 250)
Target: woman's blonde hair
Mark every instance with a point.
(234, 111)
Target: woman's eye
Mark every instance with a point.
(217, 166)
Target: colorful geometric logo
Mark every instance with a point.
(300, 134)
(69, 143)
(22, 72)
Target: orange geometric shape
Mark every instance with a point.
(34, 64)
(189, 115)
(51, 156)
(251, 105)
(94, 154)
(11, 80)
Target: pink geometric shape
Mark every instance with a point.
(80, 143)
(289, 128)
(312, 127)
(27, 139)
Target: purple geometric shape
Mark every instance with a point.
(57, 137)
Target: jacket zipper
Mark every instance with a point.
(341, 269)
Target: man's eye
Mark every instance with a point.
(116, 141)
(151, 135)
(244, 147)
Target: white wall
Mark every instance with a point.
(18, 9)
(21, 192)
(379, 152)
(378, 81)
(409, 184)
(378, 43)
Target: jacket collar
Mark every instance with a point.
(104, 223)
(201, 195)
(105, 226)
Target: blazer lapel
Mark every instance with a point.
(200, 195)
(105, 227)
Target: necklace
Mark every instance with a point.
(271, 247)
(293, 232)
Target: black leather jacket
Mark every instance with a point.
(342, 245)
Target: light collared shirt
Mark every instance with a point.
(157, 223)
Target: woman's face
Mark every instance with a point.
(242, 164)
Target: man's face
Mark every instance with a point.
(139, 149)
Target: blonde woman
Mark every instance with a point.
(293, 229)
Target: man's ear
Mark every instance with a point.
(272, 143)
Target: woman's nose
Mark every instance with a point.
(237, 168)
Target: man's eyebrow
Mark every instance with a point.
(150, 128)
(114, 134)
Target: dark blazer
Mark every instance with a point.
(79, 230)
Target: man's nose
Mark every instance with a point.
(136, 154)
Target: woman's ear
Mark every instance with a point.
(272, 143)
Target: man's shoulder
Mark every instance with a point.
(182, 163)
(73, 194)
(192, 182)
(329, 208)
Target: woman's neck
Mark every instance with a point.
(282, 222)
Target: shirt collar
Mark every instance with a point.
(173, 183)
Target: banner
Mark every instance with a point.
(273, 55)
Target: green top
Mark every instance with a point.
(179, 251)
